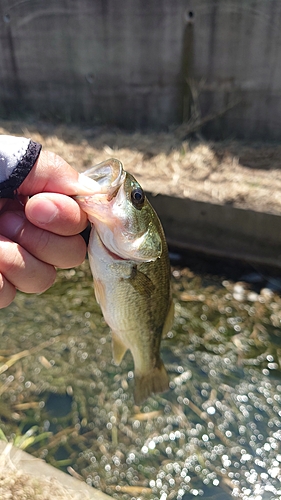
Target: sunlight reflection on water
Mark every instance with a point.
(215, 434)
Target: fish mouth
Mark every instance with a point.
(109, 175)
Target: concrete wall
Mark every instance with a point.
(124, 62)
(104, 61)
(220, 230)
(237, 57)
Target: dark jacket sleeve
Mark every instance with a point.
(17, 157)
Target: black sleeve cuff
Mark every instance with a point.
(21, 171)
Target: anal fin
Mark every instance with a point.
(169, 318)
(118, 348)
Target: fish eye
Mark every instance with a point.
(138, 197)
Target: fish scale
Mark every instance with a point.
(130, 265)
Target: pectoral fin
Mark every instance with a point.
(141, 283)
(100, 292)
(118, 349)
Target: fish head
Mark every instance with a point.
(123, 217)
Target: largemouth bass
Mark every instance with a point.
(129, 261)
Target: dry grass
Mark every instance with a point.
(246, 175)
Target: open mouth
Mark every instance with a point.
(109, 175)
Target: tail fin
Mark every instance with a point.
(154, 381)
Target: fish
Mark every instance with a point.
(129, 261)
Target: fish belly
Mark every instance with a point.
(127, 309)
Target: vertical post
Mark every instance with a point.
(187, 65)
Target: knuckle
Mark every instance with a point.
(43, 239)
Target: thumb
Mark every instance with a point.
(51, 173)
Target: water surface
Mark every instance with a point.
(215, 434)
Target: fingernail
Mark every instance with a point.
(87, 185)
(43, 211)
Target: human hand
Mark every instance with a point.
(41, 233)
